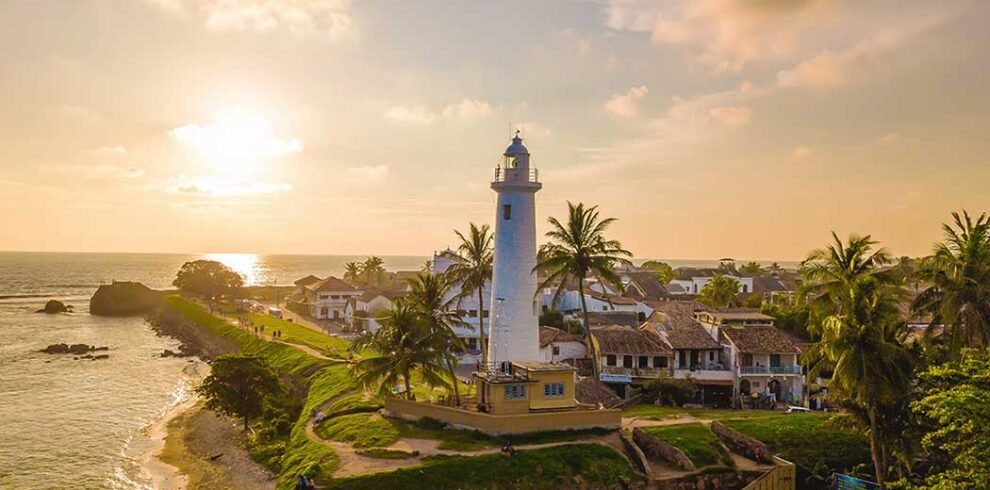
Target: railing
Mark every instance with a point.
(512, 174)
(794, 369)
(643, 372)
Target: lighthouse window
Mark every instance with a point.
(507, 212)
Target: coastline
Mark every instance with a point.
(165, 476)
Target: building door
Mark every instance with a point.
(336, 314)
(775, 389)
(324, 312)
(744, 387)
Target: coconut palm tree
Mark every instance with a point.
(373, 270)
(430, 296)
(854, 311)
(404, 343)
(720, 291)
(471, 267)
(578, 250)
(959, 276)
(352, 272)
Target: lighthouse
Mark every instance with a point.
(514, 313)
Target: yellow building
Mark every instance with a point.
(527, 386)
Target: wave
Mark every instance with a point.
(25, 295)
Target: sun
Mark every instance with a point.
(236, 143)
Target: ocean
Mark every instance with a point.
(82, 424)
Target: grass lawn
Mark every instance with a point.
(696, 440)
(360, 430)
(294, 333)
(547, 468)
(379, 453)
(653, 412)
(807, 439)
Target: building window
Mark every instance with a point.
(472, 343)
(711, 355)
(659, 362)
(644, 361)
(553, 390)
(610, 360)
(515, 392)
(774, 360)
(627, 362)
(484, 313)
(506, 212)
(472, 313)
(556, 350)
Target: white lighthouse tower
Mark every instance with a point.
(514, 320)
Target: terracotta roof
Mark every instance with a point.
(616, 339)
(306, 281)
(770, 284)
(730, 314)
(389, 294)
(551, 334)
(645, 284)
(760, 340)
(674, 322)
(331, 284)
(601, 318)
(592, 392)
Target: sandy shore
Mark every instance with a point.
(163, 475)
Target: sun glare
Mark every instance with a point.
(244, 264)
(236, 143)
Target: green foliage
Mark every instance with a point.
(547, 468)
(751, 269)
(379, 453)
(670, 391)
(791, 318)
(656, 412)
(719, 292)
(294, 333)
(578, 250)
(359, 429)
(957, 403)
(238, 386)
(808, 440)
(664, 272)
(471, 268)
(696, 440)
(207, 278)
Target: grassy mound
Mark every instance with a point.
(654, 412)
(696, 440)
(808, 440)
(547, 468)
(294, 333)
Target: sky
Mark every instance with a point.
(709, 128)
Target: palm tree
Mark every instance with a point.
(404, 343)
(373, 270)
(959, 276)
(471, 267)
(352, 272)
(855, 314)
(431, 297)
(720, 291)
(578, 251)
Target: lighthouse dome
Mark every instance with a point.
(516, 148)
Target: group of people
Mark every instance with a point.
(259, 329)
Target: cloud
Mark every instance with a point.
(370, 173)
(726, 34)
(103, 171)
(330, 18)
(732, 115)
(224, 187)
(802, 152)
(627, 104)
(467, 110)
(237, 140)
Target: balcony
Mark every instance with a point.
(643, 372)
(792, 369)
(516, 175)
(713, 372)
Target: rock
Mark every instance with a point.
(56, 349)
(55, 306)
(124, 299)
(80, 348)
(71, 349)
(101, 356)
(168, 353)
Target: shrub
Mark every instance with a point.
(670, 391)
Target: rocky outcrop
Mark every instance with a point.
(72, 349)
(710, 480)
(742, 444)
(657, 449)
(54, 306)
(196, 340)
(125, 299)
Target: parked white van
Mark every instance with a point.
(275, 312)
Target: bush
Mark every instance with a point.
(552, 318)
(670, 391)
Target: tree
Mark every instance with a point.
(854, 310)
(373, 271)
(471, 267)
(719, 292)
(352, 272)
(959, 276)
(957, 403)
(403, 343)
(207, 278)
(578, 250)
(431, 297)
(663, 270)
(751, 269)
(238, 386)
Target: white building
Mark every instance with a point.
(695, 284)
(327, 299)
(515, 311)
(557, 345)
(467, 308)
